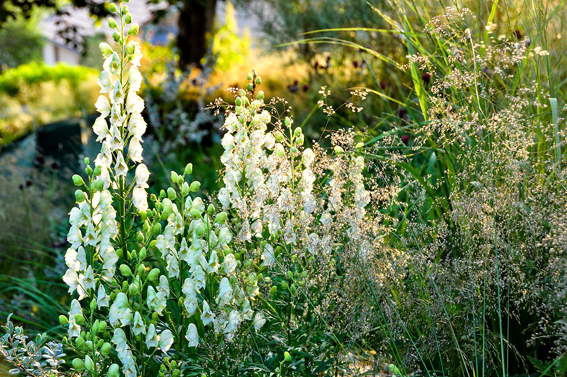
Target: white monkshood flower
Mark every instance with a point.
(117, 95)
(100, 128)
(102, 299)
(105, 82)
(139, 327)
(225, 290)
(163, 286)
(76, 260)
(89, 280)
(114, 138)
(137, 125)
(213, 264)
(112, 64)
(142, 175)
(74, 328)
(246, 310)
(156, 301)
(151, 336)
(259, 321)
(103, 106)
(191, 305)
(119, 310)
(268, 255)
(119, 338)
(165, 340)
(137, 55)
(135, 78)
(233, 322)
(134, 103)
(120, 168)
(71, 279)
(189, 289)
(140, 199)
(229, 263)
(207, 315)
(192, 335)
(74, 237)
(199, 277)
(135, 150)
(172, 265)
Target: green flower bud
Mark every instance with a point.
(133, 289)
(153, 275)
(80, 342)
(250, 87)
(79, 319)
(113, 371)
(359, 145)
(189, 169)
(99, 185)
(339, 150)
(393, 369)
(78, 364)
(133, 30)
(86, 160)
(105, 349)
(113, 8)
(140, 237)
(261, 95)
(195, 213)
(287, 356)
(297, 131)
(89, 345)
(274, 290)
(176, 373)
(200, 231)
(102, 326)
(97, 171)
(93, 304)
(211, 209)
(153, 197)
(143, 254)
(112, 23)
(195, 186)
(299, 140)
(125, 286)
(238, 101)
(185, 189)
(258, 80)
(153, 243)
(88, 170)
(116, 37)
(162, 194)
(119, 253)
(279, 151)
(293, 150)
(130, 48)
(241, 93)
(125, 270)
(157, 228)
(249, 77)
(128, 19)
(287, 122)
(143, 215)
(63, 320)
(141, 269)
(278, 136)
(171, 193)
(221, 218)
(80, 196)
(78, 180)
(173, 177)
(124, 9)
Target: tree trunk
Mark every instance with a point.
(196, 19)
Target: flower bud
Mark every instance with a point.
(153, 243)
(258, 80)
(130, 47)
(124, 9)
(171, 193)
(80, 196)
(113, 8)
(88, 170)
(99, 185)
(249, 77)
(89, 345)
(195, 186)
(106, 348)
(287, 356)
(299, 140)
(153, 197)
(133, 289)
(133, 30)
(113, 371)
(189, 169)
(128, 19)
(274, 290)
(176, 373)
(80, 342)
(97, 171)
(143, 254)
(157, 228)
(287, 122)
(116, 37)
(63, 320)
(125, 270)
(339, 150)
(241, 93)
(359, 145)
(154, 274)
(199, 231)
(79, 319)
(93, 304)
(78, 364)
(279, 151)
(102, 326)
(185, 189)
(278, 136)
(250, 87)
(78, 180)
(221, 218)
(112, 23)
(162, 194)
(125, 286)
(211, 209)
(195, 213)
(261, 95)
(141, 269)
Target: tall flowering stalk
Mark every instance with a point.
(129, 317)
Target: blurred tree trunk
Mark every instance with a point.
(196, 19)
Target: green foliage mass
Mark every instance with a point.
(20, 43)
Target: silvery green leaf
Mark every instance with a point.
(14, 371)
